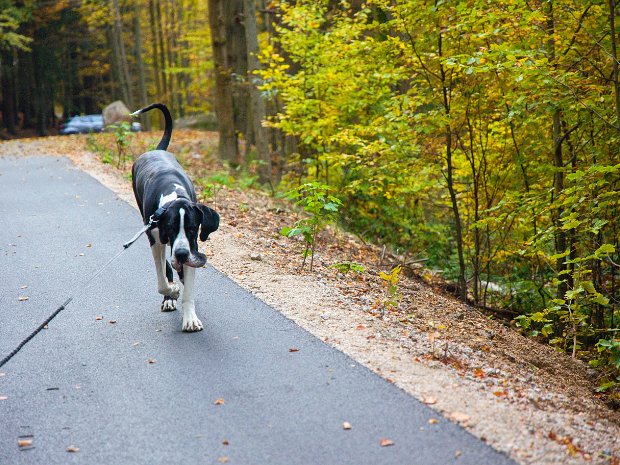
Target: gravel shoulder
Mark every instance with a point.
(523, 398)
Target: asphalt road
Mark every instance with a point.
(88, 383)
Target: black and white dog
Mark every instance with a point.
(164, 191)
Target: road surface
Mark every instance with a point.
(131, 388)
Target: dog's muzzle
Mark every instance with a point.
(181, 258)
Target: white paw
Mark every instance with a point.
(172, 290)
(192, 324)
(169, 305)
(175, 290)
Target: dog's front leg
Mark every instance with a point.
(191, 323)
(164, 287)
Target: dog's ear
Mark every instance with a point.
(209, 223)
(163, 237)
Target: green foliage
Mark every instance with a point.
(347, 266)
(93, 145)
(608, 356)
(609, 351)
(212, 185)
(10, 20)
(209, 188)
(435, 124)
(321, 208)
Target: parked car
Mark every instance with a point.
(89, 123)
(83, 124)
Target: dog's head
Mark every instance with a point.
(179, 227)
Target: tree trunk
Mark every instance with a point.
(121, 55)
(162, 52)
(40, 91)
(155, 54)
(223, 98)
(558, 163)
(614, 53)
(137, 32)
(458, 227)
(169, 21)
(154, 48)
(256, 101)
(26, 86)
(475, 176)
(124, 63)
(237, 51)
(7, 73)
(180, 25)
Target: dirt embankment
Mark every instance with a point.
(525, 399)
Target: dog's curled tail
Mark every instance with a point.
(165, 140)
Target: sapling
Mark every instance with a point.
(123, 135)
(321, 208)
(393, 295)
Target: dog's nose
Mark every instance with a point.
(182, 255)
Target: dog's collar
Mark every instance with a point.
(155, 217)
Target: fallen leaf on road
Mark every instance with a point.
(73, 449)
(385, 442)
(22, 298)
(151, 360)
(293, 349)
(346, 425)
(222, 459)
(24, 442)
(430, 400)
(219, 401)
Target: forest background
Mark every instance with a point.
(478, 136)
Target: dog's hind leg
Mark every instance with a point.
(191, 323)
(169, 304)
(164, 286)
